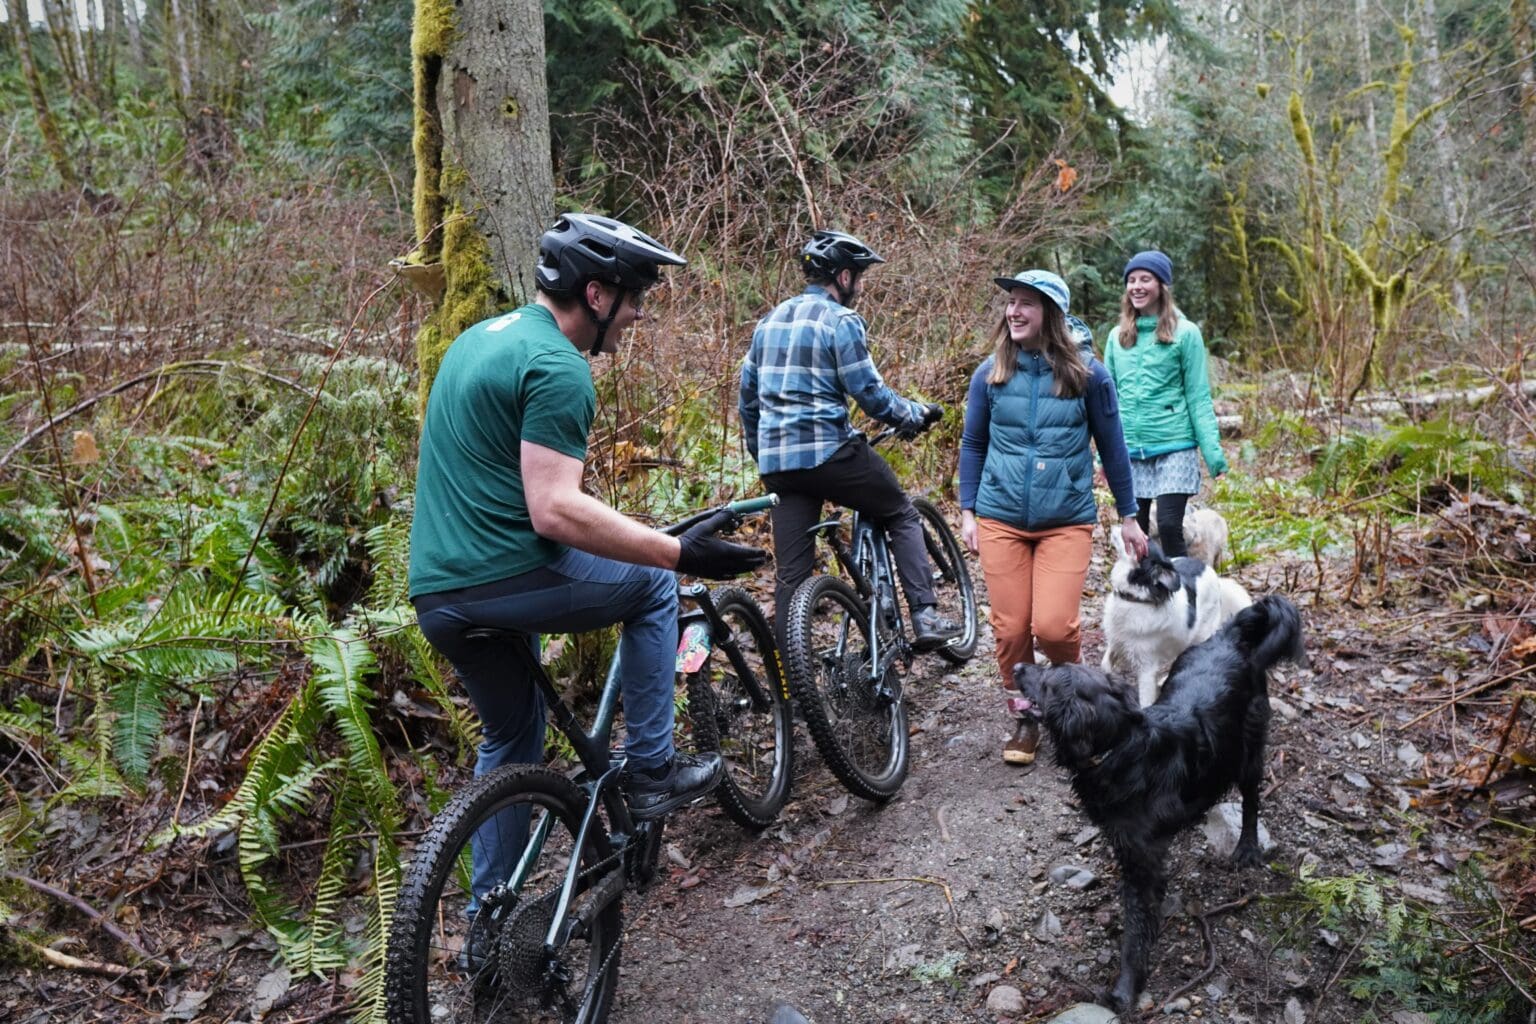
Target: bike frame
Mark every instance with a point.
(888, 638)
(592, 746)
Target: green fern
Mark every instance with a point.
(1399, 944)
(394, 628)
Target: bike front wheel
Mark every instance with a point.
(740, 707)
(952, 586)
(859, 723)
(482, 957)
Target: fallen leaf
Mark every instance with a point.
(187, 1006)
(272, 987)
(749, 894)
(1066, 176)
(83, 450)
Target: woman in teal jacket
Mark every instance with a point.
(1157, 360)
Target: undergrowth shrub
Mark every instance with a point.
(1414, 466)
(261, 530)
(1453, 962)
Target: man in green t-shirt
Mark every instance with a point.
(504, 535)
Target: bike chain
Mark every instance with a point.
(618, 943)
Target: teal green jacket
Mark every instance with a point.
(1165, 395)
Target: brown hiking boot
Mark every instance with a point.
(1021, 748)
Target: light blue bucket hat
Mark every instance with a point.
(1042, 281)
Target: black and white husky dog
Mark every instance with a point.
(1157, 607)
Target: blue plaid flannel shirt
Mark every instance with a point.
(808, 357)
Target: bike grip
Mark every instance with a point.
(747, 506)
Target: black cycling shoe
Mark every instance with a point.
(652, 792)
(930, 629)
(475, 956)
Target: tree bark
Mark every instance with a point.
(484, 184)
(21, 29)
(130, 11)
(1451, 187)
(1521, 30)
(1367, 74)
(176, 52)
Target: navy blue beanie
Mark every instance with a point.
(1154, 263)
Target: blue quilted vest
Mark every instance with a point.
(1038, 473)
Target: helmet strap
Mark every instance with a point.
(602, 323)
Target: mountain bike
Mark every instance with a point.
(847, 646)
(543, 944)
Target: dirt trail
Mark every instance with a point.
(916, 910)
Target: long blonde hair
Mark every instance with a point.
(1056, 343)
(1167, 317)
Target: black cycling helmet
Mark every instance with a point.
(831, 251)
(584, 246)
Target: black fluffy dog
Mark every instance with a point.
(1145, 774)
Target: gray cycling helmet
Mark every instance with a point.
(831, 251)
(581, 247)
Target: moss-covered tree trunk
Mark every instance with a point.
(53, 141)
(484, 186)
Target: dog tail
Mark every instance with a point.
(1270, 630)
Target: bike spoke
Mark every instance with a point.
(485, 957)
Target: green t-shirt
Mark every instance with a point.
(506, 380)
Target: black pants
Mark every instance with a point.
(1170, 522)
(855, 478)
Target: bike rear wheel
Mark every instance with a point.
(858, 724)
(952, 586)
(443, 964)
(740, 707)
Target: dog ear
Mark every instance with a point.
(1118, 542)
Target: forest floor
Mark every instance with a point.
(942, 905)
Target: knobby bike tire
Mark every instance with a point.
(426, 979)
(739, 707)
(952, 582)
(862, 738)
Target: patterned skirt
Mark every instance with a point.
(1173, 473)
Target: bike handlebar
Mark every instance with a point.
(738, 510)
(931, 415)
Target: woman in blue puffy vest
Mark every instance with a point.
(1026, 480)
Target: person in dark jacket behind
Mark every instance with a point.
(1026, 479)
(1157, 359)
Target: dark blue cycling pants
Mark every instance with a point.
(574, 593)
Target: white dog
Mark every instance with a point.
(1205, 534)
(1156, 608)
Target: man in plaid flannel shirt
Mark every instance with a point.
(808, 357)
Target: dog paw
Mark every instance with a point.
(1120, 997)
(1247, 856)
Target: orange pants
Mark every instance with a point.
(1035, 583)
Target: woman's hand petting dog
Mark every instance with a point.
(1145, 774)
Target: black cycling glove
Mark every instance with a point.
(706, 555)
(932, 413)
